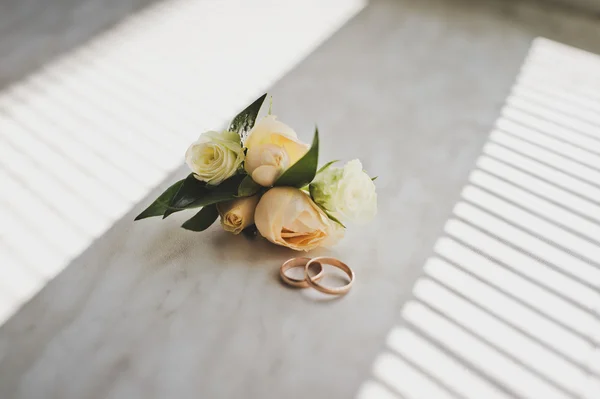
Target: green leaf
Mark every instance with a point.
(326, 212)
(328, 164)
(203, 219)
(161, 204)
(191, 190)
(333, 218)
(194, 193)
(374, 178)
(302, 172)
(248, 187)
(244, 121)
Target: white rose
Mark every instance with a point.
(272, 148)
(215, 156)
(348, 194)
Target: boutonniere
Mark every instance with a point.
(257, 176)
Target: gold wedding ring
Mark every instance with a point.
(323, 260)
(299, 262)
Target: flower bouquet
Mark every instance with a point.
(258, 177)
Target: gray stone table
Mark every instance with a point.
(153, 311)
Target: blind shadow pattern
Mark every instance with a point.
(509, 304)
(86, 138)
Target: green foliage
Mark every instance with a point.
(248, 187)
(161, 204)
(334, 219)
(244, 121)
(194, 193)
(302, 172)
(328, 164)
(203, 219)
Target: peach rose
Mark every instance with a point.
(272, 148)
(237, 214)
(287, 216)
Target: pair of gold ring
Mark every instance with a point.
(313, 281)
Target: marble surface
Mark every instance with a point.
(590, 6)
(508, 305)
(135, 95)
(151, 310)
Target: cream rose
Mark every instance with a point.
(348, 194)
(215, 156)
(272, 148)
(237, 214)
(287, 216)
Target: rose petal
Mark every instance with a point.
(264, 128)
(266, 175)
